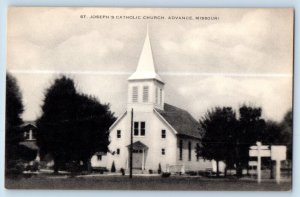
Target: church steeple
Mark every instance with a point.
(146, 68)
(145, 86)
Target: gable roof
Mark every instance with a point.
(118, 120)
(29, 124)
(181, 120)
(30, 144)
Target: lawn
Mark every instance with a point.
(144, 183)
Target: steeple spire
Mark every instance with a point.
(146, 67)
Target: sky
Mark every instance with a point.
(243, 57)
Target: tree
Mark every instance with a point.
(251, 128)
(271, 136)
(287, 133)
(159, 169)
(272, 133)
(218, 125)
(73, 126)
(14, 134)
(279, 134)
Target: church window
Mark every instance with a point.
(118, 151)
(160, 96)
(156, 95)
(197, 156)
(134, 94)
(180, 149)
(99, 157)
(136, 128)
(190, 151)
(143, 129)
(163, 133)
(118, 133)
(145, 94)
(163, 151)
(139, 128)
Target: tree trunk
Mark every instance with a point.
(238, 169)
(237, 160)
(248, 174)
(218, 172)
(55, 167)
(89, 166)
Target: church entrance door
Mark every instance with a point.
(139, 152)
(137, 159)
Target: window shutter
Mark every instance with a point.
(145, 94)
(134, 94)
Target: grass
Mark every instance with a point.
(143, 183)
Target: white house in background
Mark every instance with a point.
(163, 134)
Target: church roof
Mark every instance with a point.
(181, 120)
(29, 123)
(146, 68)
(30, 144)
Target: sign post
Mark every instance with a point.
(278, 153)
(258, 162)
(259, 151)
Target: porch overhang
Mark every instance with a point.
(138, 146)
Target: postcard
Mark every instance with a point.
(149, 98)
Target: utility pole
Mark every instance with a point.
(131, 144)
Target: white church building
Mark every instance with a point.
(163, 135)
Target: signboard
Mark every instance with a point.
(263, 153)
(252, 163)
(278, 153)
(261, 147)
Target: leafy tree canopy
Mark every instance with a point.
(14, 152)
(287, 133)
(218, 125)
(73, 126)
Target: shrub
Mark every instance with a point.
(73, 167)
(159, 168)
(122, 171)
(35, 166)
(16, 169)
(113, 167)
(192, 173)
(166, 174)
(150, 171)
